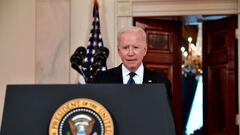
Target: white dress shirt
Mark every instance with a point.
(138, 78)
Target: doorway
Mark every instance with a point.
(190, 43)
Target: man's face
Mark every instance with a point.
(132, 49)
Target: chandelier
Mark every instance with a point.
(192, 59)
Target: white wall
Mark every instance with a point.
(52, 41)
(17, 44)
(22, 50)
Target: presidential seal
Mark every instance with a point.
(81, 117)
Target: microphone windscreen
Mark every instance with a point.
(78, 56)
(81, 51)
(104, 51)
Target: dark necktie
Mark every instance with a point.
(131, 81)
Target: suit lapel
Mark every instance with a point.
(147, 76)
(118, 74)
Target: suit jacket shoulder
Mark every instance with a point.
(113, 75)
(153, 77)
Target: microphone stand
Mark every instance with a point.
(83, 74)
(80, 71)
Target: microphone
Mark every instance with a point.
(77, 59)
(100, 58)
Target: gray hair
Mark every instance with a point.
(132, 29)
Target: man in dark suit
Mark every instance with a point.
(132, 47)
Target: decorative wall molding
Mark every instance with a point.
(163, 8)
(180, 7)
(52, 41)
(124, 8)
